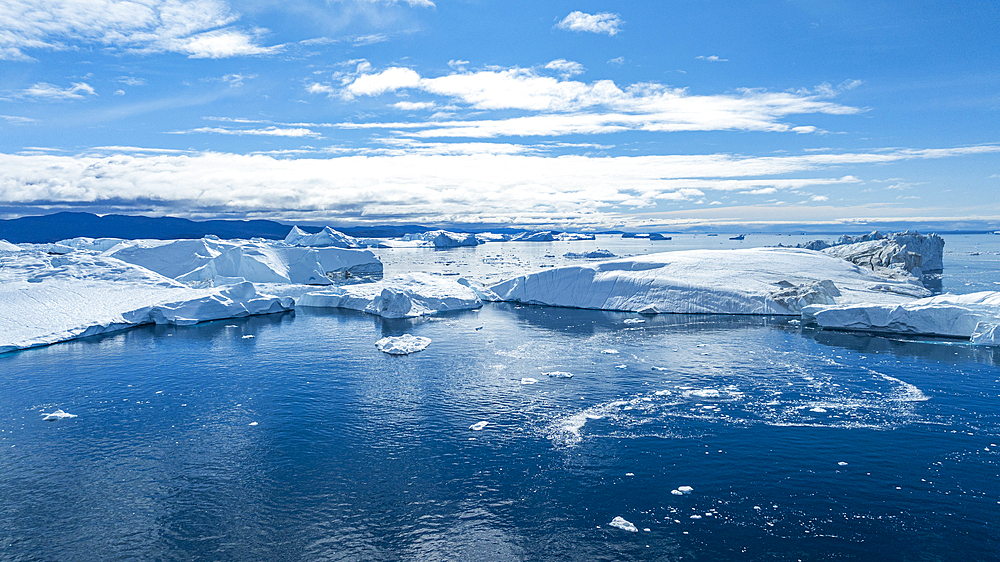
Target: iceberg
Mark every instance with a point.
(325, 238)
(975, 316)
(208, 261)
(57, 415)
(47, 298)
(746, 281)
(485, 237)
(620, 523)
(888, 253)
(402, 345)
(444, 239)
(404, 296)
(543, 236)
(574, 236)
(592, 255)
(6, 248)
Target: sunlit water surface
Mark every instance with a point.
(304, 442)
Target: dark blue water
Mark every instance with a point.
(358, 455)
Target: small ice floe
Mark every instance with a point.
(622, 366)
(57, 415)
(528, 380)
(655, 368)
(253, 423)
(248, 336)
(402, 345)
(610, 351)
(682, 490)
(559, 374)
(629, 474)
(478, 426)
(230, 326)
(620, 523)
(841, 463)
(818, 410)
(634, 321)
(696, 516)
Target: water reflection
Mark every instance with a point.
(935, 349)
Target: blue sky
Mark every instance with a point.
(574, 115)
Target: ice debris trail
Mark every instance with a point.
(748, 281)
(404, 296)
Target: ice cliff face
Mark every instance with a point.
(888, 254)
(404, 296)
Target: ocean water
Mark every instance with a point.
(304, 442)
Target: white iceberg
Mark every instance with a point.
(479, 426)
(214, 262)
(592, 255)
(975, 316)
(325, 238)
(405, 296)
(543, 236)
(57, 415)
(444, 238)
(620, 523)
(92, 244)
(402, 345)
(46, 299)
(746, 281)
(7, 248)
(574, 236)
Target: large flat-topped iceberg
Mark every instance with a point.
(748, 281)
(405, 296)
(223, 261)
(975, 316)
(47, 298)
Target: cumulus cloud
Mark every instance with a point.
(561, 106)
(43, 90)
(197, 28)
(566, 68)
(477, 183)
(604, 22)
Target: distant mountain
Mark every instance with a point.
(59, 226)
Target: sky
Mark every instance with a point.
(575, 115)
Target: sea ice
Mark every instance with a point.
(444, 239)
(752, 281)
(685, 489)
(405, 296)
(402, 345)
(620, 523)
(559, 374)
(478, 426)
(528, 380)
(609, 351)
(325, 238)
(57, 415)
(974, 316)
(6, 246)
(50, 298)
(592, 255)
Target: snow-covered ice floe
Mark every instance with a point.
(975, 316)
(402, 345)
(746, 281)
(404, 296)
(620, 523)
(209, 261)
(57, 415)
(47, 298)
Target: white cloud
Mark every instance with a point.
(617, 61)
(712, 58)
(413, 105)
(47, 91)
(198, 28)
(604, 22)
(315, 88)
(236, 80)
(566, 68)
(119, 92)
(132, 81)
(470, 182)
(563, 106)
(458, 64)
(369, 40)
(17, 120)
(266, 132)
(819, 198)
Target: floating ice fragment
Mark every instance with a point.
(230, 326)
(620, 523)
(559, 374)
(818, 410)
(402, 345)
(57, 415)
(655, 368)
(634, 321)
(253, 423)
(478, 426)
(646, 529)
(622, 366)
(677, 492)
(528, 380)
(248, 336)
(685, 489)
(610, 352)
(629, 474)
(696, 516)
(842, 463)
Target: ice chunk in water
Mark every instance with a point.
(528, 380)
(559, 374)
(402, 345)
(620, 523)
(57, 415)
(478, 426)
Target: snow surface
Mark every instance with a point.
(975, 316)
(8, 248)
(402, 345)
(208, 261)
(404, 296)
(47, 298)
(746, 281)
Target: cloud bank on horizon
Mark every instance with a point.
(365, 112)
